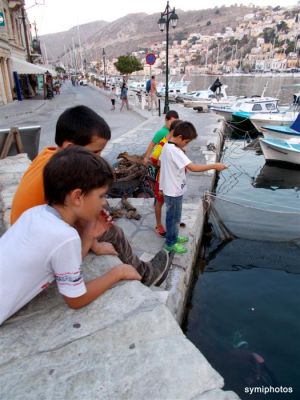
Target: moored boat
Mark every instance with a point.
(282, 132)
(284, 151)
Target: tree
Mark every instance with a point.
(282, 27)
(269, 35)
(128, 64)
(60, 70)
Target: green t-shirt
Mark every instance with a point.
(163, 132)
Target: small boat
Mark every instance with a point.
(208, 98)
(284, 118)
(174, 89)
(284, 151)
(137, 86)
(282, 132)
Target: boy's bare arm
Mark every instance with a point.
(202, 167)
(148, 151)
(98, 286)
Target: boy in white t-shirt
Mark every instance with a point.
(43, 244)
(173, 166)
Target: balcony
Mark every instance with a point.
(15, 5)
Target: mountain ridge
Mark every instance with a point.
(139, 30)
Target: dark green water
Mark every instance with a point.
(245, 305)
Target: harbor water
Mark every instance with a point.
(244, 309)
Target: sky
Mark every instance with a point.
(60, 15)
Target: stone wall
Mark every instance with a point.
(11, 171)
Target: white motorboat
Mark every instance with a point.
(285, 151)
(244, 107)
(284, 118)
(208, 98)
(174, 89)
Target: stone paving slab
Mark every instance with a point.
(124, 345)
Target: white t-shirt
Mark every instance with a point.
(39, 248)
(172, 180)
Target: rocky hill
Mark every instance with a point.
(139, 31)
(57, 42)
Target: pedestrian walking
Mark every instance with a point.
(153, 95)
(124, 96)
(113, 97)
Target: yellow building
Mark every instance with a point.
(12, 44)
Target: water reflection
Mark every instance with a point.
(274, 177)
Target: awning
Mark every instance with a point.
(24, 67)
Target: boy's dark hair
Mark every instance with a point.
(172, 114)
(74, 168)
(175, 123)
(186, 130)
(78, 125)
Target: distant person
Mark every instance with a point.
(113, 97)
(153, 94)
(159, 135)
(124, 96)
(49, 247)
(82, 126)
(173, 165)
(216, 86)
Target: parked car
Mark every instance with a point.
(83, 82)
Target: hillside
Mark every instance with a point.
(57, 42)
(138, 31)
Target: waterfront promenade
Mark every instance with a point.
(127, 344)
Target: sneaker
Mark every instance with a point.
(160, 230)
(160, 264)
(182, 239)
(176, 248)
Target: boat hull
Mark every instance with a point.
(276, 150)
(272, 119)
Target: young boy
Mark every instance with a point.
(173, 166)
(48, 246)
(159, 135)
(82, 126)
(113, 97)
(158, 196)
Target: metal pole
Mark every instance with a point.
(103, 53)
(25, 32)
(166, 108)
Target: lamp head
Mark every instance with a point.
(173, 19)
(162, 23)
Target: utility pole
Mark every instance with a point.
(80, 50)
(23, 18)
(46, 56)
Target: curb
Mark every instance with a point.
(6, 117)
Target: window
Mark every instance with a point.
(270, 106)
(257, 107)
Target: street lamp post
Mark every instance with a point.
(166, 17)
(104, 69)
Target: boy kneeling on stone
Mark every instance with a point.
(43, 245)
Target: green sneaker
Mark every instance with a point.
(182, 239)
(177, 248)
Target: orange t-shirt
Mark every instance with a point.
(30, 192)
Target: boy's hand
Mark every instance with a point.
(127, 272)
(103, 248)
(220, 166)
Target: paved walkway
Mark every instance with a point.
(126, 344)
